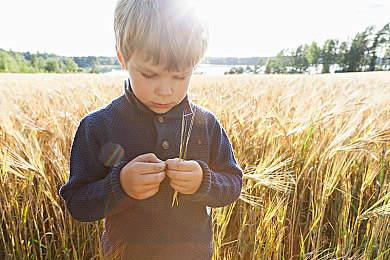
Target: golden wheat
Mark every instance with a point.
(315, 150)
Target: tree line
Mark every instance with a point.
(367, 51)
(26, 62)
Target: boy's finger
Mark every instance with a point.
(183, 184)
(148, 187)
(170, 161)
(147, 168)
(173, 160)
(149, 157)
(178, 187)
(153, 178)
(181, 165)
(179, 176)
(148, 194)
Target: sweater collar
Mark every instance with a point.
(176, 111)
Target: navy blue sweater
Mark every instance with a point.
(110, 137)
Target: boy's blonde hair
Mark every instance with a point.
(157, 30)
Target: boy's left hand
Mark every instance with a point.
(185, 176)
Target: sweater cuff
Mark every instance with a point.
(120, 199)
(205, 187)
(116, 188)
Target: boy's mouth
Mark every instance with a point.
(161, 105)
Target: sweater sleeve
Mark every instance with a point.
(92, 192)
(222, 178)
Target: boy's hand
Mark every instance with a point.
(185, 176)
(141, 177)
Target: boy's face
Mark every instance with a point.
(155, 87)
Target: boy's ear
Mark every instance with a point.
(120, 58)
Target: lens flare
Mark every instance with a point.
(111, 154)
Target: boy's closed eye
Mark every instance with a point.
(180, 77)
(148, 76)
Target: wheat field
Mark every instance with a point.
(315, 150)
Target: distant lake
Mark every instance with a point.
(212, 70)
(204, 69)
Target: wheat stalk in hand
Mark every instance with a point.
(184, 145)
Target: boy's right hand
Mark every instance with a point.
(141, 177)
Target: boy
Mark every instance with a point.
(124, 164)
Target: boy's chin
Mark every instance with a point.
(160, 110)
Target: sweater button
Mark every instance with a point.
(160, 119)
(165, 145)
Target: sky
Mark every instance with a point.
(238, 28)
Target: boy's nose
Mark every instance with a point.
(164, 90)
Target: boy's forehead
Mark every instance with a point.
(150, 66)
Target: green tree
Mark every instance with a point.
(235, 70)
(279, 64)
(240, 70)
(373, 51)
(269, 66)
(381, 41)
(359, 48)
(386, 58)
(313, 54)
(71, 66)
(13, 62)
(38, 63)
(298, 59)
(62, 66)
(52, 65)
(342, 56)
(328, 55)
(5, 61)
(261, 62)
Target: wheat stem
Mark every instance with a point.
(183, 145)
